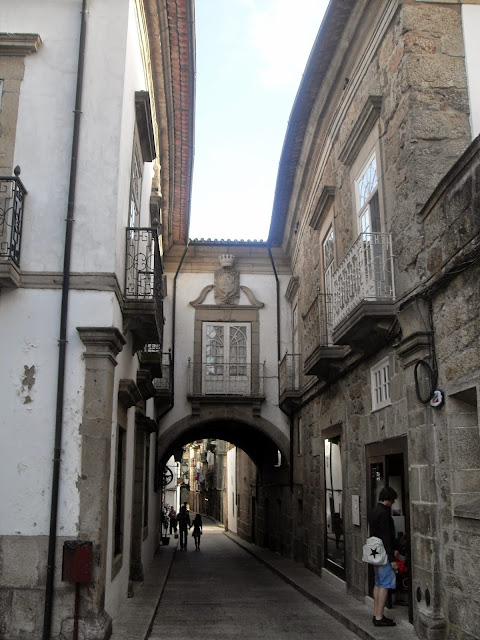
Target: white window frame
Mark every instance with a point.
(221, 376)
(380, 384)
(369, 150)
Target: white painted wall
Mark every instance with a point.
(30, 318)
(189, 286)
(471, 29)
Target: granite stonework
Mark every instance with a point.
(403, 79)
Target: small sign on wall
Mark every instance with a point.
(356, 510)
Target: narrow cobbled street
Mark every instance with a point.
(222, 591)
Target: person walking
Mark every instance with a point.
(184, 525)
(197, 530)
(172, 516)
(382, 526)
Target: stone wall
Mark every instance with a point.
(412, 77)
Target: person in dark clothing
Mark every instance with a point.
(172, 516)
(381, 526)
(197, 530)
(184, 525)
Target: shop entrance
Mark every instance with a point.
(387, 465)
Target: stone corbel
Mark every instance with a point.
(128, 393)
(416, 341)
(145, 424)
(145, 384)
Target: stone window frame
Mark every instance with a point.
(14, 47)
(364, 139)
(381, 366)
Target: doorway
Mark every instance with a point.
(387, 465)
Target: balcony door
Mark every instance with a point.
(226, 358)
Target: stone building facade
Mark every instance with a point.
(376, 207)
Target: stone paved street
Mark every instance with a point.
(222, 591)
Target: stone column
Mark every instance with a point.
(102, 346)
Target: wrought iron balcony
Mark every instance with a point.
(12, 197)
(143, 294)
(321, 355)
(290, 381)
(150, 358)
(363, 291)
(236, 379)
(164, 385)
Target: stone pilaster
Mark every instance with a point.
(102, 346)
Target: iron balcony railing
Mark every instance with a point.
(231, 379)
(165, 383)
(318, 323)
(289, 373)
(365, 273)
(12, 198)
(144, 270)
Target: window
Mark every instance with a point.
(226, 358)
(380, 384)
(366, 196)
(135, 185)
(119, 492)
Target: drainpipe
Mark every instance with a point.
(277, 283)
(62, 343)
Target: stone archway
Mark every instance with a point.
(258, 437)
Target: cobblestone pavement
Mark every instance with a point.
(223, 592)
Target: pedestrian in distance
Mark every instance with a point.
(173, 520)
(382, 526)
(197, 530)
(184, 525)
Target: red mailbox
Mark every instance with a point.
(77, 561)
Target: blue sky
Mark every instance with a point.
(250, 58)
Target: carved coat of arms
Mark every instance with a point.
(227, 282)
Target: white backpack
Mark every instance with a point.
(374, 551)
